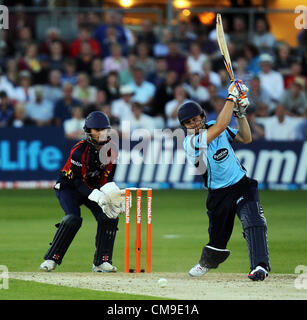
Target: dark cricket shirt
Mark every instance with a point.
(84, 171)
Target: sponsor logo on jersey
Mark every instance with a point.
(220, 154)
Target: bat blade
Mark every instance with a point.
(223, 46)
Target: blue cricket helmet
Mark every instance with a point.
(190, 109)
(96, 120)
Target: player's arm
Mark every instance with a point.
(244, 134)
(222, 121)
(236, 89)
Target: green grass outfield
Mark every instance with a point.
(179, 230)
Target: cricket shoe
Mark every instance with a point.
(258, 274)
(104, 267)
(198, 271)
(48, 265)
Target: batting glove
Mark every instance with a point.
(239, 110)
(236, 89)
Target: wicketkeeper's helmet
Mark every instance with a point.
(190, 109)
(96, 120)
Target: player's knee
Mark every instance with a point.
(251, 215)
(72, 221)
(211, 257)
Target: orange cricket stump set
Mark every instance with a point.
(128, 195)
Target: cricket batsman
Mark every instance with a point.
(231, 192)
(84, 180)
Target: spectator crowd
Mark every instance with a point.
(144, 76)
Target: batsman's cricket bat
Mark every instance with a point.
(223, 46)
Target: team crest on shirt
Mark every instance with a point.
(220, 154)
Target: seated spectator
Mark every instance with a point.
(171, 108)
(122, 108)
(111, 87)
(53, 34)
(263, 39)
(143, 90)
(6, 111)
(241, 70)
(195, 59)
(41, 77)
(147, 34)
(208, 76)
(184, 36)
(116, 61)
(208, 47)
(114, 121)
(53, 89)
(110, 32)
(63, 107)
(56, 56)
(11, 71)
(295, 71)
(258, 97)
(251, 54)
(24, 91)
(175, 61)
(294, 99)
(137, 120)
(108, 41)
(83, 91)
(19, 120)
(257, 129)
(210, 103)
(271, 80)
(218, 105)
(223, 88)
(73, 127)
(129, 35)
(195, 90)
(24, 39)
(85, 58)
(163, 94)
(144, 61)
(160, 49)
(69, 73)
(126, 75)
(30, 61)
(6, 85)
(280, 126)
(7, 49)
(39, 111)
(283, 59)
(97, 79)
(239, 36)
(157, 76)
(84, 36)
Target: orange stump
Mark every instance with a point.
(148, 244)
(127, 229)
(138, 231)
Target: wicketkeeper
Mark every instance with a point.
(85, 180)
(231, 192)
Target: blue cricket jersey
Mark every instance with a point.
(216, 161)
